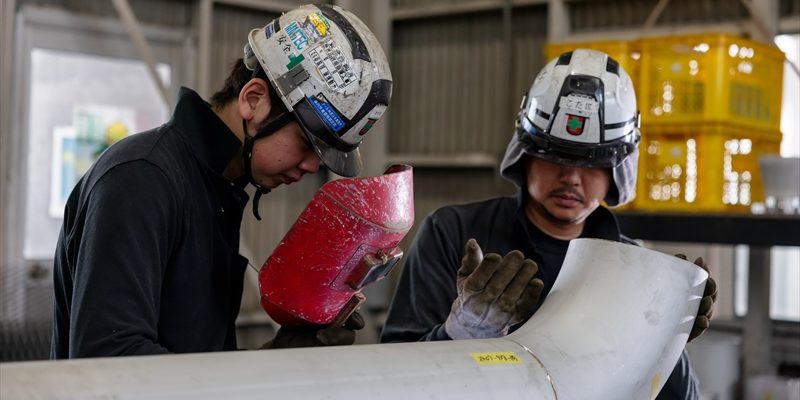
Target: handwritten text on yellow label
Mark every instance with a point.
(506, 357)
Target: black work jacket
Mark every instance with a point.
(147, 259)
(427, 286)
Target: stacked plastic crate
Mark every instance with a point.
(711, 106)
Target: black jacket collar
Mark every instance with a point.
(212, 142)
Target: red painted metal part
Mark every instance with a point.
(350, 223)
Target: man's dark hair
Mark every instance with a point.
(238, 77)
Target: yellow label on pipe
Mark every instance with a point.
(655, 385)
(504, 357)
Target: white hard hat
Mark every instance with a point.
(331, 73)
(580, 111)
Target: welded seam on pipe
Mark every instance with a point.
(549, 379)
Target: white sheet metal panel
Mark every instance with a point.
(612, 328)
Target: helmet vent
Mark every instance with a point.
(612, 66)
(564, 59)
(542, 114)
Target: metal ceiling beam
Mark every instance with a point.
(764, 15)
(650, 22)
(205, 12)
(7, 14)
(766, 20)
(558, 26)
(137, 38)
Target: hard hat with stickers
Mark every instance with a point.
(330, 72)
(580, 110)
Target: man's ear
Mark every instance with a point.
(254, 101)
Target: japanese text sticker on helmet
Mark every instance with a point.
(330, 72)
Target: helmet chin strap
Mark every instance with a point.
(247, 153)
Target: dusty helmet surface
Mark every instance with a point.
(331, 73)
(580, 111)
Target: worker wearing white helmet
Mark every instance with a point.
(331, 77)
(147, 261)
(574, 146)
(580, 111)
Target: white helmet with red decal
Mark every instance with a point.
(580, 111)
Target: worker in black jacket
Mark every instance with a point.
(576, 145)
(147, 260)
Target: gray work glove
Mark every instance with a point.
(494, 293)
(314, 336)
(706, 310)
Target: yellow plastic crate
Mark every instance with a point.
(709, 167)
(710, 78)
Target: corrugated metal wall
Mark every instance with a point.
(452, 80)
(451, 88)
(458, 84)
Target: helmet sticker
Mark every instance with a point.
(316, 26)
(327, 113)
(575, 124)
(294, 60)
(269, 30)
(580, 104)
(364, 125)
(297, 36)
(332, 65)
(367, 126)
(294, 57)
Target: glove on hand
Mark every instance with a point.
(706, 310)
(494, 293)
(314, 336)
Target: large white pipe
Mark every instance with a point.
(613, 327)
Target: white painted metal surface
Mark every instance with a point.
(615, 322)
(612, 327)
